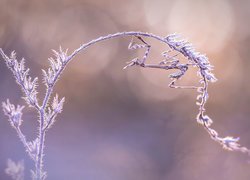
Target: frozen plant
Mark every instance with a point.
(47, 110)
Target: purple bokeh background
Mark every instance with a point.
(128, 125)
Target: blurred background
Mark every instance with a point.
(128, 125)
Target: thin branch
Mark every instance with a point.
(25, 143)
(57, 65)
(22, 78)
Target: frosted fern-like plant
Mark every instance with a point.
(176, 48)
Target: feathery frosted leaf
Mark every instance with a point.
(14, 113)
(57, 105)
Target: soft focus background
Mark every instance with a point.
(128, 125)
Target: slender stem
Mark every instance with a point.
(42, 109)
(49, 91)
(119, 34)
(39, 160)
(49, 121)
(24, 141)
(196, 60)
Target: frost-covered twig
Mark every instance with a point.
(48, 111)
(22, 77)
(15, 119)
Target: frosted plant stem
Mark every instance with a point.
(119, 34)
(48, 112)
(39, 158)
(24, 141)
(42, 132)
(198, 60)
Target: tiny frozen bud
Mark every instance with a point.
(14, 113)
(16, 118)
(64, 56)
(7, 107)
(27, 83)
(55, 64)
(61, 56)
(57, 105)
(48, 77)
